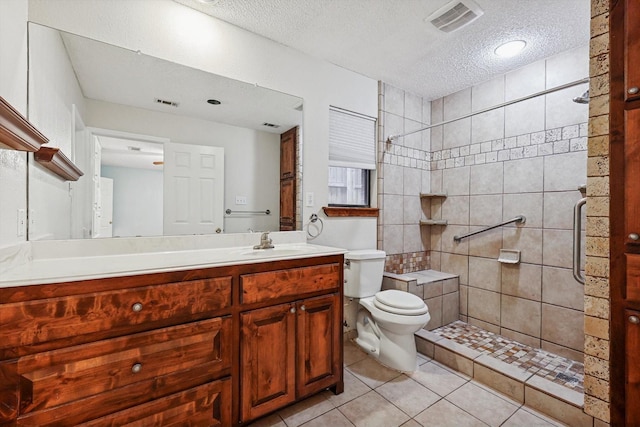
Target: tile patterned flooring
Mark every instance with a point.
(433, 395)
(555, 368)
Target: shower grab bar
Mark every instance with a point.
(265, 212)
(520, 218)
(577, 239)
(390, 138)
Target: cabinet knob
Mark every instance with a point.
(293, 309)
(633, 90)
(137, 307)
(634, 236)
(137, 367)
(303, 308)
(634, 319)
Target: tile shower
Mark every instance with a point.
(527, 159)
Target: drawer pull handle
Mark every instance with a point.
(634, 236)
(137, 307)
(633, 90)
(634, 319)
(303, 308)
(293, 310)
(137, 367)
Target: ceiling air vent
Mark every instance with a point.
(270, 125)
(455, 15)
(165, 102)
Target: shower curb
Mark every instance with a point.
(532, 390)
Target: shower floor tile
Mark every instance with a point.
(552, 367)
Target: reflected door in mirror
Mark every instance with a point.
(288, 145)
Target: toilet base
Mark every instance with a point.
(396, 351)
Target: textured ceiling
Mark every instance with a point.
(389, 40)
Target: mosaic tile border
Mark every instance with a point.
(557, 369)
(407, 262)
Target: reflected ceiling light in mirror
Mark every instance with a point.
(510, 48)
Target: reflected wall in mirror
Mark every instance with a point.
(112, 111)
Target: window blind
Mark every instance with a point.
(352, 140)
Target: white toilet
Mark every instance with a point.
(388, 319)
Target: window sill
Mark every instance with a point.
(334, 211)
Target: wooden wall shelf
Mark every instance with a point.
(16, 132)
(54, 160)
(346, 212)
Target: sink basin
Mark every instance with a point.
(277, 251)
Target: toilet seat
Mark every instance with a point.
(400, 302)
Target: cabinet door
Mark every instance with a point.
(267, 343)
(632, 176)
(632, 57)
(319, 343)
(632, 392)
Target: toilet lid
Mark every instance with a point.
(400, 302)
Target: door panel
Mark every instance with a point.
(193, 189)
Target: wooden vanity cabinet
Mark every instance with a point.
(171, 348)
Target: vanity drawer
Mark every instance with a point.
(105, 374)
(207, 405)
(292, 282)
(38, 321)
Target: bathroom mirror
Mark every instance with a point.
(112, 111)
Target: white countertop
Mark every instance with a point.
(54, 262)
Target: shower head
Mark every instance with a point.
(582, 99)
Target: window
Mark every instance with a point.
(352, 156)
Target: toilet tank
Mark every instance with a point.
(363, 272)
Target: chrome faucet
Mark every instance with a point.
(265, 242)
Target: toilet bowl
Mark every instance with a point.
(387, 320)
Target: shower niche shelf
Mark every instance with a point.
(429, 221)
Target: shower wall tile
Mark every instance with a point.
(565, 172)
(567, 67)
(450, 307)
(393, 179)
(524, 176)
(560, 109)
(393, 125)
(558, 209)
(426, 113)
(413, 107)
(412, 181)
(412, 240)
(527, 240)
(393, 235)
(456, 210)
(436, 184)
(450, 245)
(487, 126)
(456, 181)
(560, 350)
(563, 326)
(484, 273)
(525, 81)
(457, 104)
(484, 305)
(411, 209)
(485, 210)
(524, 117)
(457, 134)
(521, 315)
(437, 110)
(436, 138)
(455, 264)
(520, 337)
(393, 213)
(435, 312)
(487, 326)
(557, 248)
(413, 140)
(561, 289)
(486, 244)
(486, 179)
(522, 280)
(425, 181)
(487, 94)
(464, 290)
(393, 101)
(527, 204)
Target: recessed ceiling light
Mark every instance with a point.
(509, 49)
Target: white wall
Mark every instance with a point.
(53, 89)
(252, 158)
(137, 201)
(13, 88)
(197, 40)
